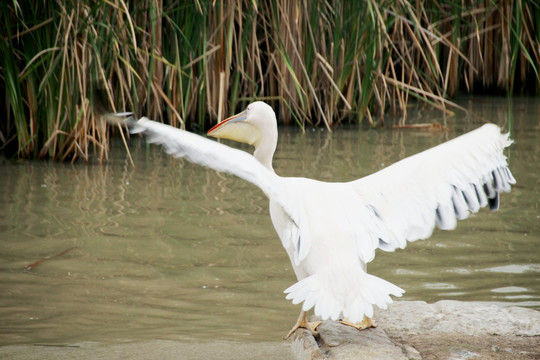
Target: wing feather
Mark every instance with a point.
(403, 202)
(436, 187)
(211, 154)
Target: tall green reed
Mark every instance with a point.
(66, 63)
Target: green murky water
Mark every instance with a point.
(169, 250)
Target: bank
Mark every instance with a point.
(408, 330)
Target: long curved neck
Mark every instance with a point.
(264, 151)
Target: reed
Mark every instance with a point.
(319, 63)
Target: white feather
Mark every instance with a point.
(208, 153)
(331, 230)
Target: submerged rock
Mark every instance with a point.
(417, 330)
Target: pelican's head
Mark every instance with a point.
(248, 126)
(257, 126)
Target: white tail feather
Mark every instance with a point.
(332, 298)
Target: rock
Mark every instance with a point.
(337, 341)
(304, 346)
(411, 353)
(468, 318)
(416, 330)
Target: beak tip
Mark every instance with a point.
(213, 129)
(240, 117)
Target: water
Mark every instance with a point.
(169, 250)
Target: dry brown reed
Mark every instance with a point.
(317, 62)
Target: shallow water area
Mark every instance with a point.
(172, 251)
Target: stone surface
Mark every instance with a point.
(416, 330)
(337, 341)
(469, 318)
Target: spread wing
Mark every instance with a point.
(436, 187)
(211, 154)
(403, 202)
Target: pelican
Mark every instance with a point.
(330, 230)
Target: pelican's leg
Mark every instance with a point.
(303, 323)
(364, 324)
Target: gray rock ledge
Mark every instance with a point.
(414, 330)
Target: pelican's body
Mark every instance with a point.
(331, 230)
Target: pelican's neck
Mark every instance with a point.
(264, 151)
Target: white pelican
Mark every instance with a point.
(331, 230)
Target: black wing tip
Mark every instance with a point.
(486, 193)
(120, 118)
(494, 202)
(500, 180)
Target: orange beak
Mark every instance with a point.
(235, 118)
(236, 128)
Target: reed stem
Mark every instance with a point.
(190, 63)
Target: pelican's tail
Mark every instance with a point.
(332, 296)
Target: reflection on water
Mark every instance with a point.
(168, 250)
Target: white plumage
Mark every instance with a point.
(331, 230)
